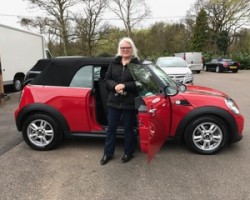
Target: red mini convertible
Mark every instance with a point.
(68, 98)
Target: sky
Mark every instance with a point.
(161, 10)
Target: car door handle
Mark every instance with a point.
(152, 111)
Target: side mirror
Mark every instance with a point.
(182, 88)
(170, 91)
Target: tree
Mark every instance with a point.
(45, 27)
(158, 39)
(131, 12)
(223, 41)
(89, 28)
(161, 39)
(201, 32)
(143, 43)
(58, 10)
(226, 15)
(243, 41)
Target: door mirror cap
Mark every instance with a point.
(172, 91)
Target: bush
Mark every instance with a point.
(243, 59)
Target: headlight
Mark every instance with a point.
(232, 106)
(189, 75)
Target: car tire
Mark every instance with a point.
(217, 69)
(42, 132)
(18, 83)
(235, 70)
(206, 135)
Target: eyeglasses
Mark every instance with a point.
(125, 48)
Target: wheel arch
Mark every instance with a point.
(41, 108)
(227, 118)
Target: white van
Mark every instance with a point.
(193, 59)
(19, 51)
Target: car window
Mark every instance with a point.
(83, 77)
(171, 63)
(227, 60)
(144, 81)
(97, 70)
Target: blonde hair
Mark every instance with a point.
(130, 41)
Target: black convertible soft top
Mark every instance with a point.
(60, 71)
(40, 65)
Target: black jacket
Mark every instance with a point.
(117, 73)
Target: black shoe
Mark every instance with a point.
(105, 159)
(126, 158)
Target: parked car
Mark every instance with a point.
(68, 98)
(176, 68)
(222, 65)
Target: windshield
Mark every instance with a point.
(227, 60)
(171, 62)
(150, 79)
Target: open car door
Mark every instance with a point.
(154, 113)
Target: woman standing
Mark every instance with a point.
(122, 93)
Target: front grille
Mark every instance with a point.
(177, 78)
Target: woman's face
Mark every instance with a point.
(126, 49)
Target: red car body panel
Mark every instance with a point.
(154, 124)
(75, 104)
(198, 97)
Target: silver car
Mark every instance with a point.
(176, 68)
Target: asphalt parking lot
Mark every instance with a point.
(72, 171)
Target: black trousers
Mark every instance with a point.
(129, 122)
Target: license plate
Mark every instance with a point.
(233, 67)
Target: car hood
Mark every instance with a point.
(176, 70)
(196, 89)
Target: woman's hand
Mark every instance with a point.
(119, 88)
